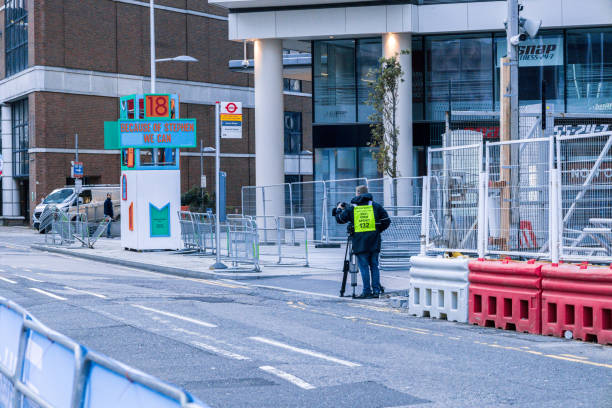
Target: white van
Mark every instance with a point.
(91, 202)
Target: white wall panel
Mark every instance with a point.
(549, 11)
(256, 25)
(443, 18)
(306, 23)
(591, 12)
(368, 19)
(486, 16)
(395, 19)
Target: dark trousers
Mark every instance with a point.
(368, 261)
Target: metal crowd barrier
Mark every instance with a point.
(40, 367)
(61, 230)
(287, 237)
(400, 241)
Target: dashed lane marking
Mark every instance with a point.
(86, 292)
(51, 295)
(406, 329)
(30, 279)
(573, 356)
(288, 377)
(304, 351)
(8, 280)
(176, 316)
(219, 351)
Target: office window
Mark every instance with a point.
(334, 81)
(369, 52)
(293, 132)
(458, 74)
(16, 35)
(21, 139)
(540, 59)
(292, 85)
(589, 70)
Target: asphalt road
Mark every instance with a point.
(240, 344)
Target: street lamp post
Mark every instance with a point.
(180, 58)
(218, 264)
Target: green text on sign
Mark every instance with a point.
(364, 218)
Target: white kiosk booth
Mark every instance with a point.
(149, 135)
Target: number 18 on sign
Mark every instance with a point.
(231, 120)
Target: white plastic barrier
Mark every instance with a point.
(439, 288)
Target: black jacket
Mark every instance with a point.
(108, 208)
(366, 241)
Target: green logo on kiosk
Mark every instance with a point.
(160, 220)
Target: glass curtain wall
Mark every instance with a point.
(341, 79)
(459, 71)
(588, 74)
(16, 36)
(334, 81)
(369, 52)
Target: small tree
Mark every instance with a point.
(384, 99)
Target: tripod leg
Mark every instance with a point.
(345, 267)
(343, 287)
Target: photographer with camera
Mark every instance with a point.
(367, 219)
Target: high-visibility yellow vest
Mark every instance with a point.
(364, 218)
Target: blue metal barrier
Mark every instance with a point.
(40, 368)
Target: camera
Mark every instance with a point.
(340, 206)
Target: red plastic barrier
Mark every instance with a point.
(577, 298)
(506, 295)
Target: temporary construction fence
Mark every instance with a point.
(547, 195)
(585, 177)
(400, 241)
(518, 191)
(315, 200)
(43, 368)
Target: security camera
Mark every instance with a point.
(245, 63)
(531, 27)
(517, 39)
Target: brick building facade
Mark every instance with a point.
(65, 63)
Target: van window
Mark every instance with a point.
(86, 196)
(58, 196)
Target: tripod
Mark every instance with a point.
(350, 265)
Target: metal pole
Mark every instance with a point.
(512, 30)
(152, 41)
(201, 173)
(218, 264)
(76, 158)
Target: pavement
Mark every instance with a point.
(264, 343)
(324, 270)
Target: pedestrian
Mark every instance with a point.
(108, 212)
(369, 219)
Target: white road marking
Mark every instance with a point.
(219, 351)
(288, 377)
(187, 319)
(51, 295)
(8, 280)
(30, 279)
(305, 351)
(27, 270)
(86, 292)
(302, 292)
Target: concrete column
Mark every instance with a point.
(269, 137)
(10, 188)
(393, 44)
